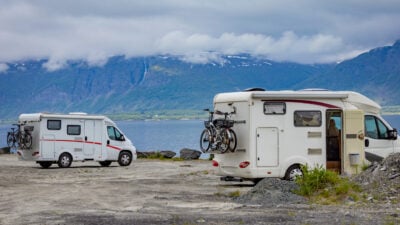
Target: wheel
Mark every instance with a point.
(105, 163)
(205, 140)
(45, 165)
(65, 160)
(10, 140)
(293, 172)
(232, 140)
(225, 140)
(21, 141)
(124, 159)
(28, 141)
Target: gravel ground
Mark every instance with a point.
(160, 192)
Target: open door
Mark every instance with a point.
(353, 139)
(334, 145)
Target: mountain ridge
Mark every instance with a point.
(166, 83)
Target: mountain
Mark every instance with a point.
(166, 84)
(375, 73)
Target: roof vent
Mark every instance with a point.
(314, 89)
(254, 89)
(78, 113)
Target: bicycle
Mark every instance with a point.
(25, 138)
(218, 135)
(13, 136)
(21, 138)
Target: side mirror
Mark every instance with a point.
(122, 138)
(366, 141)
(392, 134)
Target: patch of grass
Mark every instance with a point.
(364, 166)
(234, 194)
(156, 155)
(326, 187)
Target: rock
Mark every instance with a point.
(381, 179)
(168, 154)
(5, 150)
(394, 176)
(144, 154)
(189, 154)
(272, 191)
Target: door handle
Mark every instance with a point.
(108, 142)
(85, 138)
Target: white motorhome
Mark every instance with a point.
(61, 139)
(278, 131)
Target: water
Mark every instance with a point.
(167, 134)
(163, 135)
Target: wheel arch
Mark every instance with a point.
(293, 161)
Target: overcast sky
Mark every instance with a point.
(304, 31)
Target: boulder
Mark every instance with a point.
(168, 154)
(144, 154)
(5, 150)
(189, 154)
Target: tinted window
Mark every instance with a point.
(114, 134)
(54, 124)
(73, 129)
(307, 118)
(375, 128)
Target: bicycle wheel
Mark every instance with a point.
(21, 141)
(232, 140)
(28, 140)
(10, 140)
(224, 144)
(205, 140)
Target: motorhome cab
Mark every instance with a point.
(61, 139)
(277, 131)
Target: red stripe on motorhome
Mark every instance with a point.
(308, 102)
(83, 142)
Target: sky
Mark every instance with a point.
(198, 31)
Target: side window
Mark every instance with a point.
(73, 129)
(382, 129)
(111, 133)
(114, 134)
(54, 124)
(274, 108)
(375, 128)
(307, 118)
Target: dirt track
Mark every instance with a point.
(151, 192)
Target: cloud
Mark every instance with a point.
(309, 31)
(3, 67)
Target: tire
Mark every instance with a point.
(105, 163)
(125, 159)
(65, 160)
(232, 141)
(21, 141)
(205, 140)
(45, 164)
(225, 140)
(293, 172)
(28, 141)
(10, 140)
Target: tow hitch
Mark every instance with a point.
(229, 178)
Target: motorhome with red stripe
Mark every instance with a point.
(64, 138)
(278, 131)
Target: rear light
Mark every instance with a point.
(244, 164)
(215, 163)
(35, 153)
